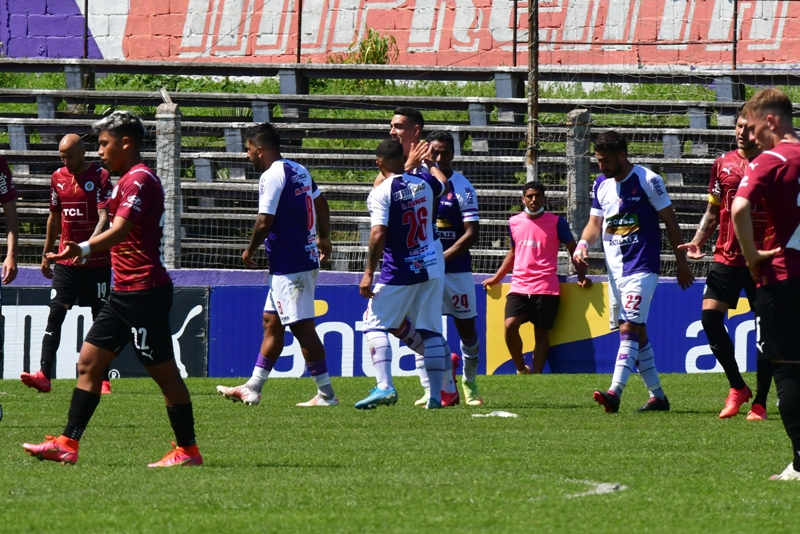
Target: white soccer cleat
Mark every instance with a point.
(788, 474)
(319, 400)
(240, 394)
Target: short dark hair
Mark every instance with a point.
(389, 150)
(412, 114)
(265, 135)
(611, 141)
(539, 186)
(443, 137)
(121, 124)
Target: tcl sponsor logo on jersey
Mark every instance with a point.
(75, 212)
(133, 202)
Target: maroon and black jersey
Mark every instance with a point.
(726, 174)
(774, 176)
(137, 261)
(8, 191)
(77, 199)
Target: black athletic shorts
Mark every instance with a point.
(541, 310)
(140, 317)
(778, 321)
(86, 286)
(725, 283)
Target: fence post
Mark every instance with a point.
(578, 184)
(168, 168)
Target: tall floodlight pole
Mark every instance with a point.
(85, 29)
(532, 167)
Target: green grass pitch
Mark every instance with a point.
(278, 468)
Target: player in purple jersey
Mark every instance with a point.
(774, 178)
(293, 223)
(729, 274)
(627, 203)
(401, 211)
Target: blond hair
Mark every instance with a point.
(769, 101)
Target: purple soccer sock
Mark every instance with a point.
(319, 372)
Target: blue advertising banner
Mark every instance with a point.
(581, 341)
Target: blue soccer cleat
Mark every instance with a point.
(376, 397)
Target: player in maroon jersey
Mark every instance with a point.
(79, 195)
(138, 308)
(8, 198)
(729, 274)
(774, 179)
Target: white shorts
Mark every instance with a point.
(291, 296)
(459, 296)
(630, 298)
(421, 303)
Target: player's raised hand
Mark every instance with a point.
(71, 250)
(417, 155)
(325, 248)
(247, 258)
(47, 271)
(761, 256)
(365, 287)
(692, 251)
(9, 269)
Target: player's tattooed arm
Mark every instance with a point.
(323, 227)
(705, 229)
(260, 232)
(102, 222)
(12, 228)
(377, 241)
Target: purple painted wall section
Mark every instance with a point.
(44, 29)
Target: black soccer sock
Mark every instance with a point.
(722, 346)
(787, 382)
(81, 409)
(52, 338)
(763, 381)
(182, 420)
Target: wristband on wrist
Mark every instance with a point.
(85, 250)
(583, 244)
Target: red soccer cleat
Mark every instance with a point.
(60, 449)
(735, 399)
(608, 400)
(180, 456)
(450, 399)
(757, 413)
(105, 389)
(36, 381)
(456, 359)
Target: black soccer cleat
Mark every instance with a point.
(655, 405)
(608, 400)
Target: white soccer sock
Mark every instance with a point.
(324, 386)
(448, 384)
(381, 351)
(434, 364)
(256, 382)
(648, 372)
(469, 355)
(626, 358)
(409, 335)
(419, 361)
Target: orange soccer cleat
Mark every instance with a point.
(36, 381)
(105, 389)
(180, 456)
(757, 413)
(60, 449)
(735, 399)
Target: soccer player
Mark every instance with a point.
(458, 227)
(627, 203)
(536, 236)
(729, 274)
(293, 223)
(772, 178)
(79, 196)
(407, 289)
(137, 309)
